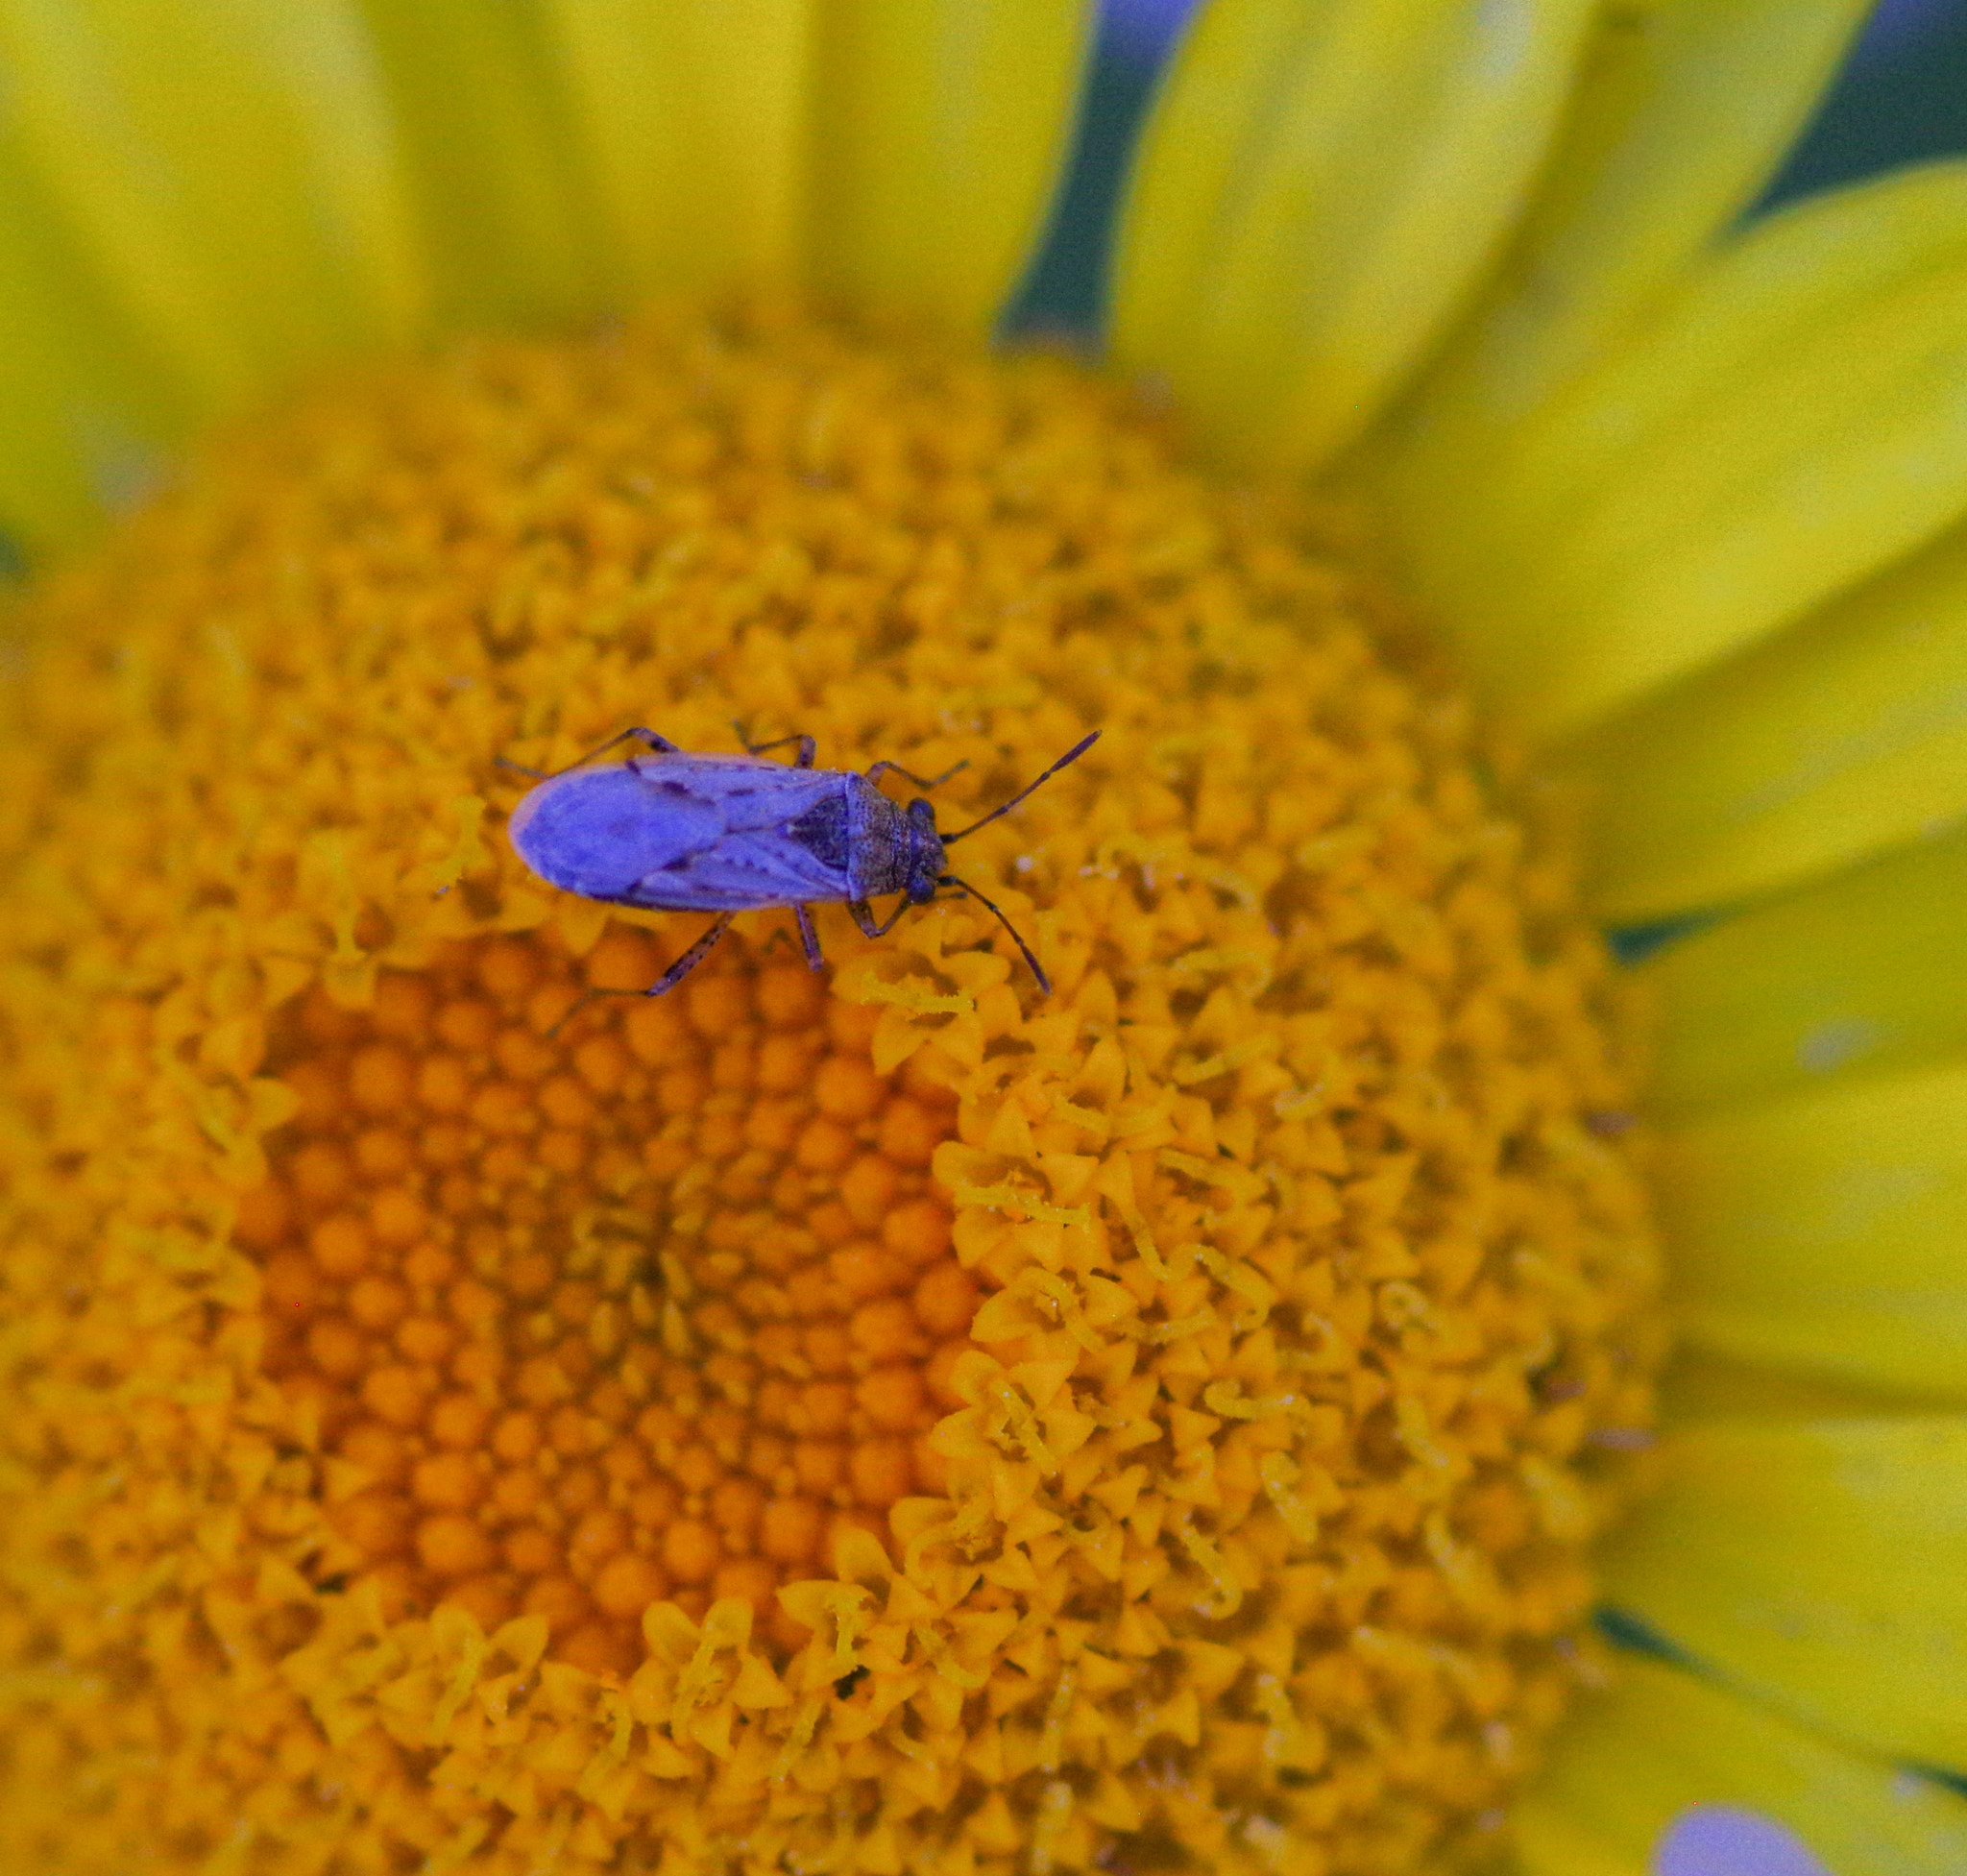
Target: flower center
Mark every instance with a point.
(646, 1311)
(928, 1423)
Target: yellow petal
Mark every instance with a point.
(1630, 1763)
(1683, 108)
(505, 205)
(1824, 1232)
(1857, 974)
(692, 115)
(1815, 1565)
(938, 129)
(227, 172)
(1319, 186)
(1844, 735)
(1790, 422)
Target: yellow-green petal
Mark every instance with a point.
(1701, 1386)
(226, 173)
(1320, 188)
(1683, 109)
(81, 419)
(938, 129)
(1842, 735)
(1792, 421)
(1629, 1762)
(693, 117)
(1816, 1566)
(1824, 1232)
(1857, 974)
(505, 205)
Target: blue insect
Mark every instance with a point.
(674, 832)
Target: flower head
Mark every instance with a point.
(1169, 1410)
(466, 1414)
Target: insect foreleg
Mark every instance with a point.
(808, 748)
(863, 916)
(881, 769)
(809, 938)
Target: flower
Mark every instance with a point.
(913, 1423)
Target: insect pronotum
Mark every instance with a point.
(674, 832)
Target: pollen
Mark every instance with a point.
(465, 1412)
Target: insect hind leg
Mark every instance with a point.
(816, 958)
(647, 738)
(663, 985)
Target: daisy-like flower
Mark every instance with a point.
(895, 1420)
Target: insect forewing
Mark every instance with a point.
(677, 833)
(599, 830)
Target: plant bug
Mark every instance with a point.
(674, 832)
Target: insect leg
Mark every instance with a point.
(669, 980)
(863, 916)
(808, 937)
(647, 738)
(690, 959)
(808, 748)
(934, 781)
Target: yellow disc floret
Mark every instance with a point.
(880, 1421)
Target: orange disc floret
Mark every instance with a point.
(510, 1380)
(921, 1423)
(691, 1550)
(341, 1244)
(627, 1584)
(449, 1481)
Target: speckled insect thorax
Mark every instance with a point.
(877, 845)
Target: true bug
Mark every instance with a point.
(674, 832)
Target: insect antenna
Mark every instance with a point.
(1072, 754)
(996, 912)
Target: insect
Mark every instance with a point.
(675, 832)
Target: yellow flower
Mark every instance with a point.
(898, 1421)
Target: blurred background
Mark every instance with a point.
(1902, 99)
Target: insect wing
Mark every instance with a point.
(677, 833)
(756, 861)
(598, 832)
